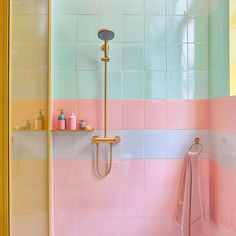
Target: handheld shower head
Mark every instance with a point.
(106, 34)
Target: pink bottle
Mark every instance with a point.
(72, 122)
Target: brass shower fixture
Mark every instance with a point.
(105, 35)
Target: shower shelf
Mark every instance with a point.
(67, 130)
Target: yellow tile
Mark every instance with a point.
(232, 45)
(232, 13)
(232, 79)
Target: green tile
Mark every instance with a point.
(177, 57)
(65, 85)
(198, 57)
(155, 7)
(112, 22)
(113, 85)
(132, 6)
(198, 85)
(65, 7)
(213, 54)
(87, 85)
(87, 28)
(132, 57)
(65, 28)
(155, 29)
(198, 7)
(198, 29)
(133, 28)
(88, 7)
(110, 7)
(177, 85)
(87, 56)
(176, 7)
(114, 64)
(65, 56)
(155, 84)
(132, 85)
(155, 56)
(177, 29)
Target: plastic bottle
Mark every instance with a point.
(39, 121)
(72, 122)
(61, 120)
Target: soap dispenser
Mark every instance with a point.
(72, 122)
(39, 121)
(61, 120)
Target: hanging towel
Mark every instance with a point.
(190, 215)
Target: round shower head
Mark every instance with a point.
(106, 34)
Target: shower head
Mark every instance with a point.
(106, 34)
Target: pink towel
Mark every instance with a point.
(190, 215)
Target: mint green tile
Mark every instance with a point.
(155, 7)
(87, 7)
(87, 28)
(155, 56)
(177, 29)
(113, 85)
(198, 29)
(65, 28)
(213, 25)
(65, 84)
(87, 56)
(198, 85)
(177, 85)
(65, 7)
(177, 57)
(198, 57)
(213, 54)
(65, 56)
(133, 28)
(132, 6)
(132, 85)
(176, 7)
(198, 7)
(114, 23)
(110, 7)
(114, 64)
(132, 57)
(155, 29)
(87, 85)
(155, 84)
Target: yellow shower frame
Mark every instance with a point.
(5, 126)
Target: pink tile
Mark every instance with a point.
(133, 202)
(232, 114)
(111, 202)
(155, 114)
(187, 114)
(65, 173)
(155, 173)
(233, 218)
(132, 173)
(65, 202)
(219, 114)
(89, 226)
(114, 114)
(111, 226)
(89, 202)
(133, 226)
(87, 109)
(65, 226)
(133, 114)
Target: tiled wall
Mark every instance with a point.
(222, 129)
(157, 90)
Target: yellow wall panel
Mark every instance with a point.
(232, 13)
(233, 79)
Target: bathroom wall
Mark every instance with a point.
(222, 135)
(158, 103)
(28, 93)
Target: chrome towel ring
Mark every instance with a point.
(197, 143)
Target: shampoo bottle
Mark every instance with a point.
(72, 122)
(61, 120)
(39, 121)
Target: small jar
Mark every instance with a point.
(81, 124)
(27, 124)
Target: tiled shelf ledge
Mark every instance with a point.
(67, 130)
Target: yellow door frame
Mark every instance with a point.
(4, 138)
